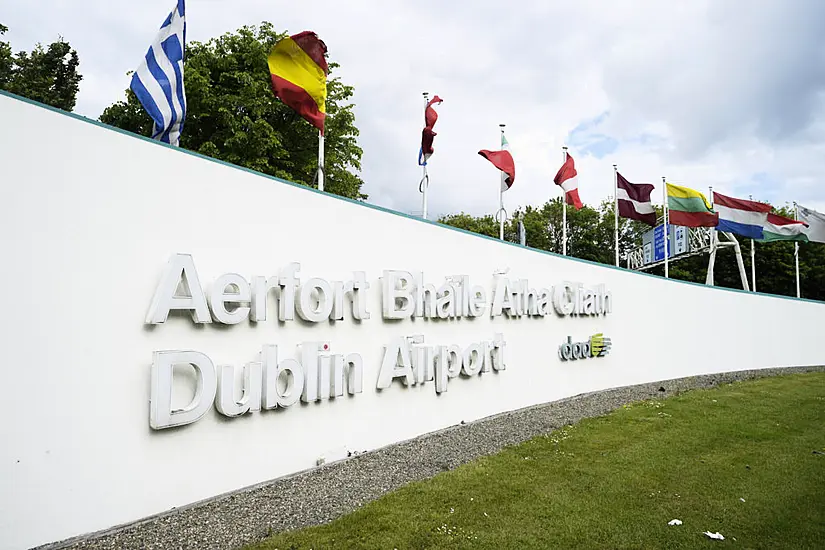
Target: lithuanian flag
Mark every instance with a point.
(689, 208)
(299, 75)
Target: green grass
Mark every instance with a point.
(616, 481)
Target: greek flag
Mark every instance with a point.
(158, 82)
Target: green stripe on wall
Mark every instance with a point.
(694, 204)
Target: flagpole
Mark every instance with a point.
(425, 182)
(563, 209)
(753, 259)
(320, 161)
(616, 211)
(501, 211)
(796, 250)
(664, 195)
(425, 178)
(712, 261)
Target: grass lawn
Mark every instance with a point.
(744, 459)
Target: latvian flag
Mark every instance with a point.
(739, 216)
(568, 179)
(634, 200)
(427, 135)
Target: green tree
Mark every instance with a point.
(48, 75)
(6, 60)
(484, 225)
(232, 115)
(589, 230)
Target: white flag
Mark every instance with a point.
(816, 224)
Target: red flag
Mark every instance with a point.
(427, 136)
(634, 200)
(502, 160)
(568, 179)
(299, 69)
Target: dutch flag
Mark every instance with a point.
(745, 218)
(158, 82)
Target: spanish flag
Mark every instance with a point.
(299, 75)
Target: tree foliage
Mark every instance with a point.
(587, 229)
(6, 59)
(232, 115)
(47, 74)
(590, 237)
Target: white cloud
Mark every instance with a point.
(726, 93)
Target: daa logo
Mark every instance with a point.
(597, 346)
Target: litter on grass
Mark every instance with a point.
(714, 536)
(675, 522)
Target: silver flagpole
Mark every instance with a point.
(616, 210)
(753, 259)
(425, 178)
(501, 211)
(664, 194)
(796, 250)
(320, 161)
(500, 214)
(563, 209)
(712, 262)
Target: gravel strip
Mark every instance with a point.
(325, 493)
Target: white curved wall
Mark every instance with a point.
(89, 218)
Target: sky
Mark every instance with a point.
(722, 93)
